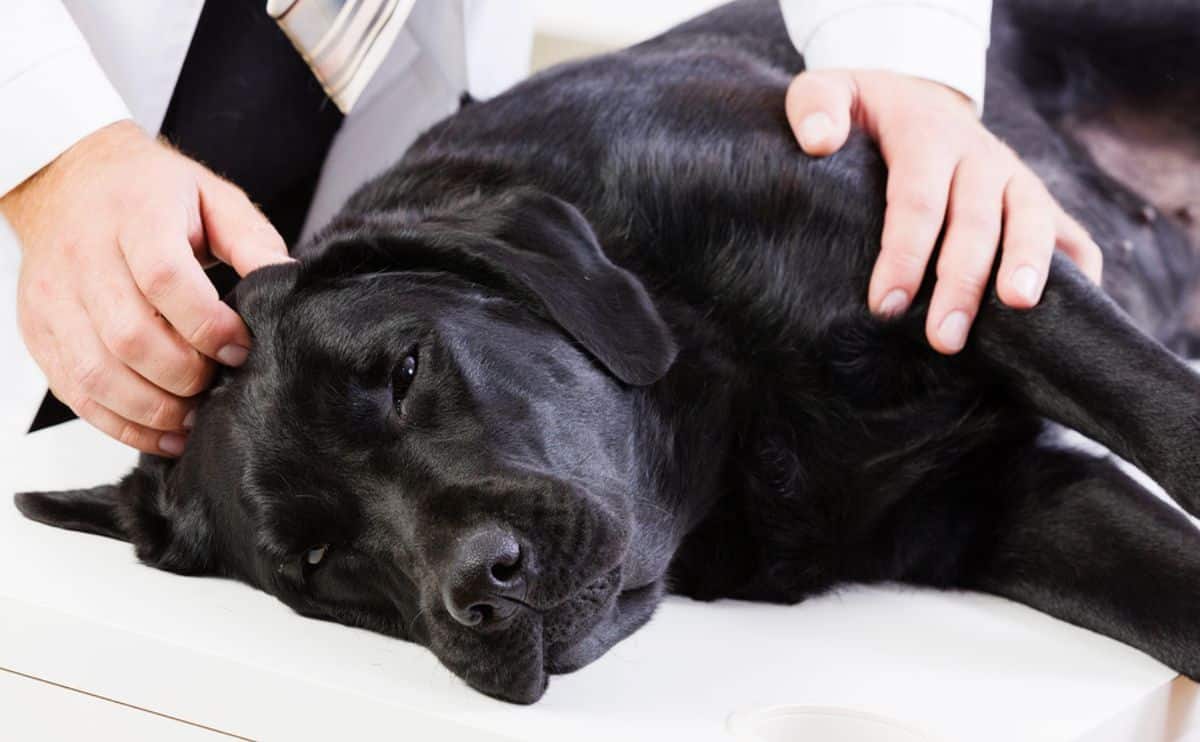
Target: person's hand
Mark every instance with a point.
(944, 167)
(112, 299)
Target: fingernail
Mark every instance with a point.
(815, 129)
(172, 443)
(894, 303)
(1025, 282)
(232, 355)
(189, 419)
(953, 330)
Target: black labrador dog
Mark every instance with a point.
(606, 336)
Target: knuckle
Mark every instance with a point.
(1000, 157)
(130, 434)
(976, 219)
(72, 250)
(1028, 227)
(186, 376)
(905, 261)
(126, 339)
(963, 283)
(88, 376)
(921, 202)
(159, 280)
(1036, 240)
(83, 406)
(204, 333)
(921, 128)
(162, 414)
(225, 189)
(1039, 257)
(194, 377)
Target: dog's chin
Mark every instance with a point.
(625, 611)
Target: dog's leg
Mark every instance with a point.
(1074, 537)
(1077, 359)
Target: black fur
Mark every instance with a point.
(643, 353)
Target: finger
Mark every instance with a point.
(968, 249)
(1078, 245)
(919, 174)
(131, 434)
(133, 332)
(237, 233)
(90, 372)
(164, 267)
(1029, 215)
(818, 106)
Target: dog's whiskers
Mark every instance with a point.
(413, 622)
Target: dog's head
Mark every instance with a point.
(434, 437)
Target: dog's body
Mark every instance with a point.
(718, 413)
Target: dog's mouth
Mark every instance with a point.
(570, 622)
(557, 640)
(622, 612)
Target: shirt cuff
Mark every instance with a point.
(918, 40)
(50, 106)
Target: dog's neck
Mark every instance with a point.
(685, 426)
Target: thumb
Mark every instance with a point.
(237, 233)
(818, 106)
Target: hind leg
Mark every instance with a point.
(1076, 538)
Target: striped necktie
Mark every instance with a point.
(343, 41)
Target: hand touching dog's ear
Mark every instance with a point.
(166, 533)
(258, 297)
(112, 299)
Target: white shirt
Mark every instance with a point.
(941, 40)
(70, 67)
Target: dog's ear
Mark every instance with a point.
(526, 241)
(258, 297)
(551, 252)
(139, 509)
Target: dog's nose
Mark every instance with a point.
(485, 581)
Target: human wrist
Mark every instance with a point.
(20, 205)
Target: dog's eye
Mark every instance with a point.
(402, 379)
(313, 556)
(297, 570)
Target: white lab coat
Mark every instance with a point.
(70, 67)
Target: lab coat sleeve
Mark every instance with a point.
(52, 91)
(941, 40)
